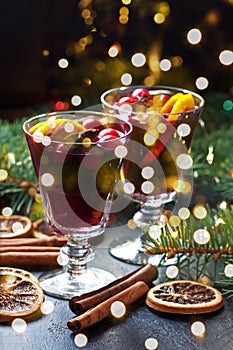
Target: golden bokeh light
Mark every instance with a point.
(199, 212)
(3, 175)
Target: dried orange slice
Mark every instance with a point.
(15, 226)
(51, 124)
(167, 107)
(40, 229)
(20, 294)
(184, 297)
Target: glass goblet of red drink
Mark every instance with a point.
(158, 169)
(75, 158)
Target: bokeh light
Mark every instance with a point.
(126, 79)
(228, 270)
(121, 151)
(198, 329)
(114, 50)
(183, 130)
(47, 179)
(80, 340)
(132, 224)
(138, 59)
(147, 187)
(174, 220)
(76, 100)
(7, 211)
(3, 175)
(128, 188)
(155, 231)
(226, 57)
(159, 18)
(17, 227)
(202, 83)
(62, 259)
(194, 36)
(172, 271)
(228, 105)
(184, 213)
(151, 343)
(199, 212)
(19, 325)
(147, 172)
(118, 309)
(165, 65)
(63, 63)
(184, 161)
(47, 307)
(201, 236)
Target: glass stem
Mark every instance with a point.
(79, 252)
(147, 215)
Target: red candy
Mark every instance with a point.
(127, 99)
(109, 132)
(92, 123)
(141, 94)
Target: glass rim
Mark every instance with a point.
(151, 88)
(80, 112)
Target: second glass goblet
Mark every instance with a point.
(76, 156)
(159, 168)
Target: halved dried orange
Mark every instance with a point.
(40, 229)
(15, 226)
(20, 294)
(184, 297)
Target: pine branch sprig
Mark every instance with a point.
(192, 256)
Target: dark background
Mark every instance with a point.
(31, 81)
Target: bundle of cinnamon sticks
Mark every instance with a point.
(30, 251)
(94, 306)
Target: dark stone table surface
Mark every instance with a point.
(172, 331)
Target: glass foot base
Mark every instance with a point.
(132, 253)
(62, 285)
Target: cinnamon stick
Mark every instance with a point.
(48, 241)
(103, 310)
(28, 258)
(79, 304)
(29, 249)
